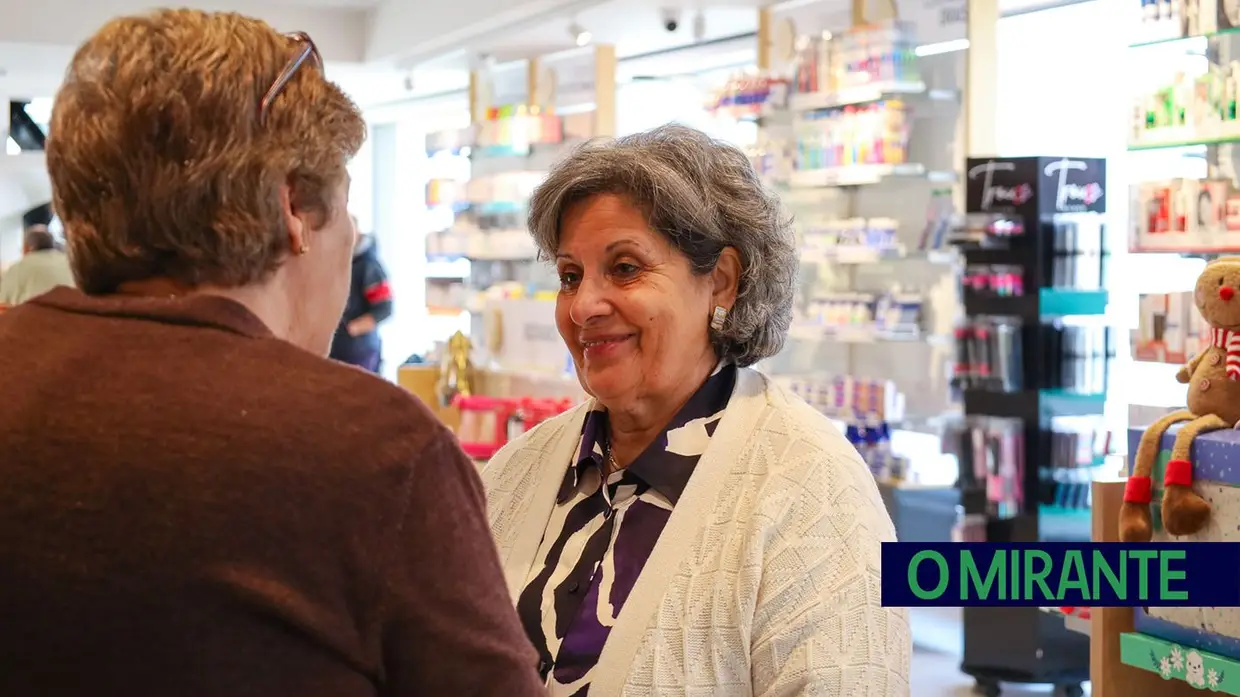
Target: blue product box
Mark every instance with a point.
(1216, 477)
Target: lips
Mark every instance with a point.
(599, 345)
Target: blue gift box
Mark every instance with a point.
(1216, 477)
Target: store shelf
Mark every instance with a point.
(1174, 39)
(1177, 142)
(497, 207)
(1066, 403)
(1024, 307)
(1031, 405)
(1057, 302)
(1200, 669)
(863, 94)
(1050, 302)
(860, 335)
(861, 175)
(858, 254)
(444, 311)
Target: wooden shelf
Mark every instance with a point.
(1171, 662)
(1108, 673)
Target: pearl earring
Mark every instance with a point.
(717, 318)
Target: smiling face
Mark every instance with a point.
(631, 311)
(1217, 295)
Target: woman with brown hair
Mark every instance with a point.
(196, 501)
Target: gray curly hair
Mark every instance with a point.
(704, 196)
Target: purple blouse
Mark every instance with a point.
(601, 533)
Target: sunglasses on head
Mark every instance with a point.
(308, 51)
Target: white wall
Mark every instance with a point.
(1067, 78)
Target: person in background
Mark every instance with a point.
(694, 528)
(196, 501)
(357, 339)
(41, 268)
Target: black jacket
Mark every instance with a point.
(370, 293)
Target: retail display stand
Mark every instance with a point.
(1036, 241)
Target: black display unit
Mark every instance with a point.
(1030, 196)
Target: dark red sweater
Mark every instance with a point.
(191, 507)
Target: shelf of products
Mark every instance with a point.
(841, 127)
(1186, 216)
(508, 153)
(1191, 103)
(1188, 101)
(1169, 329)
(869, 410)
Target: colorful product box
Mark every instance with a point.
(1217, 480)
(1169, 329)
(1185, 215)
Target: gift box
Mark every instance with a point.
(1216, 478)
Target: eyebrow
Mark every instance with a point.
(608, 248)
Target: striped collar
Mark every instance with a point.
(658, 466)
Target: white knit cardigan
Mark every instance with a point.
(766, 579)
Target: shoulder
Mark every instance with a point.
(339, 406)
(787, 418)
(806, 463)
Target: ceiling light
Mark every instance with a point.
(941, 48)
(580, 35)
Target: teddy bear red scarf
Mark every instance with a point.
(1229, 341)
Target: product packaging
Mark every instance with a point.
(1185, 215)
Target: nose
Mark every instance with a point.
(589, 301)
(1226, 293)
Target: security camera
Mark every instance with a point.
(671, 18)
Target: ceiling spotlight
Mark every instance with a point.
(580, 36)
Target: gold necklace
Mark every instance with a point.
(612, 465)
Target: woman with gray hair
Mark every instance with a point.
(693, 529)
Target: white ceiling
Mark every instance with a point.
(633, 26)
(374, 46)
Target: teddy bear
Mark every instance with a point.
(1213, 379)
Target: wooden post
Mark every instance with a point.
(981, 103)
(765, 40)
(475, 97)
(1108, 676)
(532, 76)
(604, 90)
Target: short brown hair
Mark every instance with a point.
(159, 165)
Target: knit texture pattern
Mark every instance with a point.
(779, 594)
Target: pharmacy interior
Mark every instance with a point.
(998, 242)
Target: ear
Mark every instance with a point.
(725, 279)
(293, 221)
